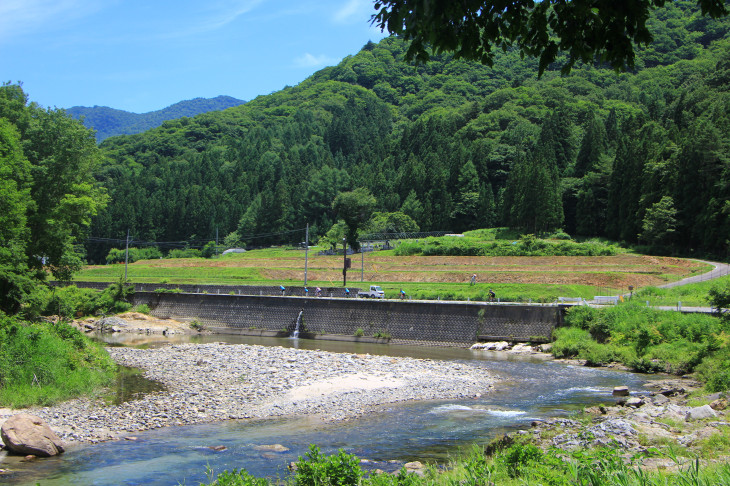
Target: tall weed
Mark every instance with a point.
(43, 363)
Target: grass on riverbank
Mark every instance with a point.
(648, 340)
(521, 463)
(44, 363)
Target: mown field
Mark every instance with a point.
(542, 278)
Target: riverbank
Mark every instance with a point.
(215, 382)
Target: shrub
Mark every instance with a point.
(715, 371)
(560, 235)
(184, 253)
(719, 298)
(118, 255)
(142, 309)
(569, 341)
(41, 363)
(209, 250)
(359, 332)
(341, 469)
(237, 478)
(527, 245)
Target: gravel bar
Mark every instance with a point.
(218, 381)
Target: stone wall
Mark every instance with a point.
(404, 321)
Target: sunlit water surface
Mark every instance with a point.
(433, 431)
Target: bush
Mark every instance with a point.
(184, 253)
(42, 363)
(719, 298)
(645, 339)
(142, 309)
(118, 255)
(341, 469)
(237, 478)
(209, 250)
(527, 245)
(715, 371)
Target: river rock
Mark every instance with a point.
(659, 399)
(272, 448)
(28, 434)
(415, 467)
(699, 413)
(621, 391)
(112, 324)
(719, 404)
(634, 402)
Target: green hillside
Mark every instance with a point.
(109, 122)
(638, 157)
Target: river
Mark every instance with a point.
(529, 389)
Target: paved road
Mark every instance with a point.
(720, 270)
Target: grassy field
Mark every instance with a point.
(539, 279)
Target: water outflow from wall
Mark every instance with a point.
(295, 334)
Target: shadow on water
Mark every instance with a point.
(433, 431)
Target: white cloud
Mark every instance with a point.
(309, 61)
(18, 17)
(353, 10)
(225, 12)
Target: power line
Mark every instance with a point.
(189, 243)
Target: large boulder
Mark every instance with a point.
(699, 413)
(29, 435)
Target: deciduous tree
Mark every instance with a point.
(587, 30)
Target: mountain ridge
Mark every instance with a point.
(109, 122)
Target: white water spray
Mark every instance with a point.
(295, 334)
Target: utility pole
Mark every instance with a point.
(126, 257)
(344, 262)
(216, 241)
(306, 253)
(362, 263)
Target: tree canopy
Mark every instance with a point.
(587, 30)
(48, 194)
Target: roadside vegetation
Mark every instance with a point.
(649, 340)
(520, 463)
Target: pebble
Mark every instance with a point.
(217, 381)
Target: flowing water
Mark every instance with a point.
(295, 335)
(527, 389)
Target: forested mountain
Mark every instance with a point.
(639, 157)
(109, 122)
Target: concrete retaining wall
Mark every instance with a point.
(405, 321)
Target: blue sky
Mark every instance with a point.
(143, 55)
